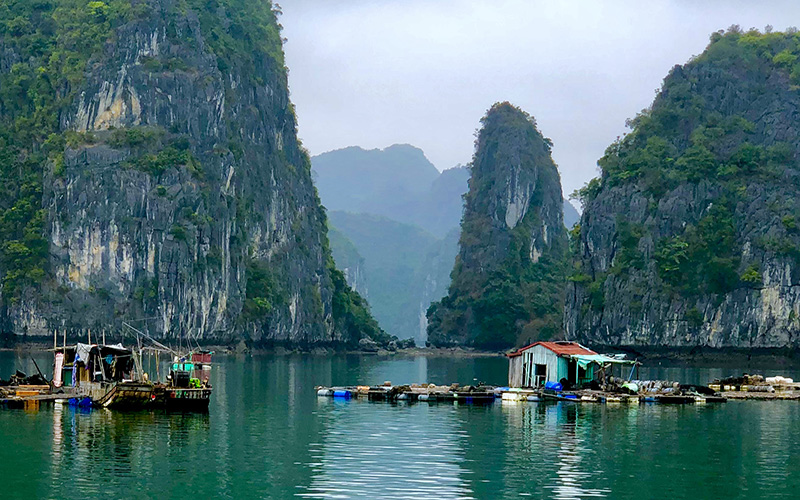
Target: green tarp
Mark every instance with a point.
(585, 360)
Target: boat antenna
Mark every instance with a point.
(148, 337)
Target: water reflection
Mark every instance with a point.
(574, 457)
(549, 451)
(92, 449)
(387, 451)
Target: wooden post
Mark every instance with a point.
(55, 339)
(90, 336)
(104, 336)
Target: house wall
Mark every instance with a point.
(515, 371)
(522, 368)
(562, 370)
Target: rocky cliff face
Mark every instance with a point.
(181, 193)
(506, 281)
(435, 279)
(690, 237)
(349, 260)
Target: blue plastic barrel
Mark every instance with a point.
(553, 386)
(342, 394)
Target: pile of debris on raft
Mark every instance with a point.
(19, 378)
(21, 385)
(663, 391)
(414, 392)
(757, 387)
(617, 390)
(21, 389)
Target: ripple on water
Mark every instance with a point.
(419, 455)
(268, 436)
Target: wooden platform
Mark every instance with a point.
(486, 395)
(763, 396)
(415, 393)
(22, 396)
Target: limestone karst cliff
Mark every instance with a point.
(507, 280)
(690, 236)
(394, 183)
(151, 169)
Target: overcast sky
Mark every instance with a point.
(373, 73)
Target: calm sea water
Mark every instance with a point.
(268, 436)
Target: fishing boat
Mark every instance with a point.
(187, 387)
(113, 376)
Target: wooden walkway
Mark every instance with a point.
(20, 396)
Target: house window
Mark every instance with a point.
(540, 375)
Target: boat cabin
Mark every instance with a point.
(560, 361)
(85, 363)
(192, 370)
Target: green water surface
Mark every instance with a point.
(267, 435)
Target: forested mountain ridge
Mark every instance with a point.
(397, 182)
(348, 179)
(403, 268)
(690, 236)
(507, 282)
(151, 169)
(396, 210)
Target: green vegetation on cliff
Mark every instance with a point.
(696, 205)
(54, 57)
(689, 136)
(692, 135)
(51, 42)
(351, 312)
(507, 283)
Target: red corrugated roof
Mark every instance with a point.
(562, 348)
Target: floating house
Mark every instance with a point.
(533, 365)
(110, 375)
